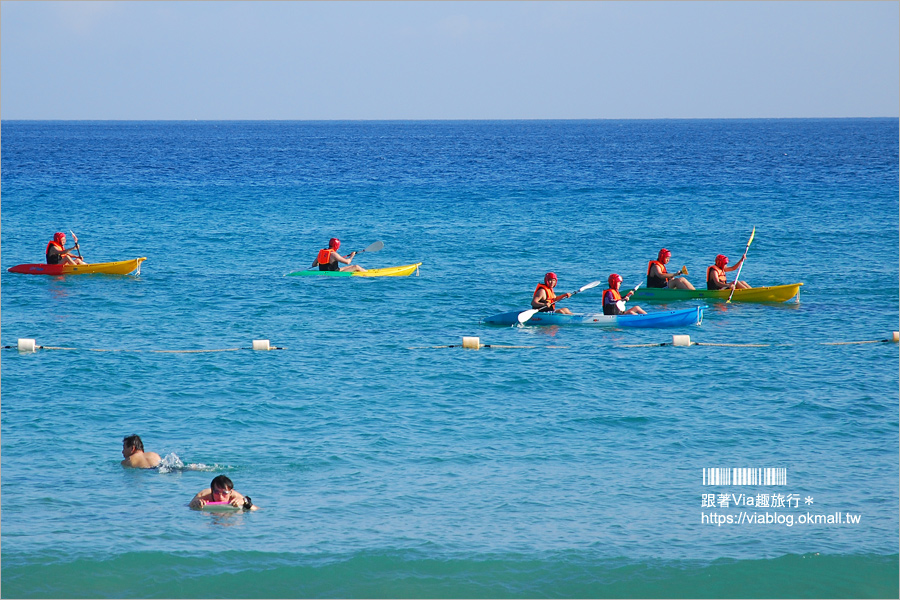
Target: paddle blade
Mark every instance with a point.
(524, 316)
(590, 285)
(375, 247)
(751, 236)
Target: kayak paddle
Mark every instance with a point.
(734, 285)
(77, 249)
(525, 315)
(375, 247)
(633, 290)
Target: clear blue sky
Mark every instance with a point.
(448, 60)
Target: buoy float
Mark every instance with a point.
(472, 343)
(681, 340)
(896, 337)
(26, 345)
(261, 345)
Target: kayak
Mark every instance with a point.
(401, 271)
(122, 267)
(669, 318)
(775, 293)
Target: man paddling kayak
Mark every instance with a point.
(715, 275)
(658, 277)
(58, 254)
(614, 303)
(328, 259)
(545, 299)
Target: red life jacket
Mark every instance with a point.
(550, 294)
(324, 256)
(53, 243)
(656, 282)
(662, 267)
(720, 280)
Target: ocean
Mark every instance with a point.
(574, 462)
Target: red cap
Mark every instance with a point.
(721, 260)
(614, 279)
(58, 237)
(548, 277)
(334, 243)
(662, 253)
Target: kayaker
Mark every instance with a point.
(614, 303)
(658, 277)
(58, 254)
(545, 299)
(135, 457)
(222, 490)
(328, 259)
(715, 275)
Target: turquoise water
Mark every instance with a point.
(570, 467)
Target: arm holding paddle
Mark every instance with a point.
(735, 285)
(527, 314)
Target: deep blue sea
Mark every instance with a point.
(569, 466)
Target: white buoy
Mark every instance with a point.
(896, 336)
(261, 345)
(681, 340)
(26, 345)
(473, 343)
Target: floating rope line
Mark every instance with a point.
(480, 346)
(28, 345)
(474, 343)
(685, 340)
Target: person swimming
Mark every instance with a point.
(222, 490)
(135, 457)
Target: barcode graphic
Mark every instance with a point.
(744, 476)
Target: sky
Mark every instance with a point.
(448, 60)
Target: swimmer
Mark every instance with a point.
(222, 490)
(135, 457)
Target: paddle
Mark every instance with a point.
(374, 247)
(525, 315)
(622, 301)
(734, 285)
(77, 249)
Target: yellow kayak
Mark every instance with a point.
(774, 293)
(122, 267)
(401, 271)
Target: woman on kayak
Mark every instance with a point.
(222, 490)
(715, 275)
(545, 299)
(658, 277)
(328, 259)
(614, 303)
(58, 254)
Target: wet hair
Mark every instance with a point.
(134, 442)
(221, 482)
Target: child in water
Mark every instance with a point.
(222, 490)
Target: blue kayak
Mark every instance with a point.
(668, 318)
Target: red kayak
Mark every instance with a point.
(122, 267)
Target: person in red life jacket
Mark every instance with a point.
(614, 303)
(715, 275)
(658, 277)
(58, 254)
(328, 259)
(545, 299)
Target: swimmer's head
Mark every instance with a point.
(221, 482)
(132, 444)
